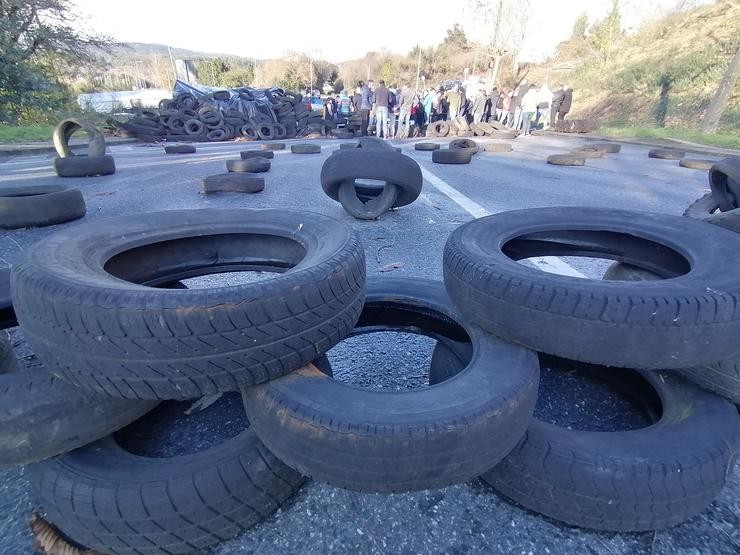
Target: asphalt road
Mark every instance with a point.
(468, 518)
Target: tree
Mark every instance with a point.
(237, 77)
(606, 33)
(456, 38)
(721, 96)
(211, 71)
(580, 25)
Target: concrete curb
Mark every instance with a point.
(42, 148)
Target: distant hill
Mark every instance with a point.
(133, 49)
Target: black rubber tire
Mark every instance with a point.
(305, 149)
(566, 160)
(609, 148)
(467, 145)
(273, 146)
(374, 143)
(249, 131)
(626, 481)
(39, 205)
(364, 208)
(195, 127)
(116, 502)
(722, 378)
(280, 131)
(666, 153)
(696, 163)
(106, 333)
(440, 128)
(426, 146)
(266, 131)
(455, 156)
(185, 101)
(179, 149)
(234, 122)
(506, 135)
(210, 115)
(66, 128)
(684, 321)
(702, 208)
(382, 441)
(724, 181)
(252, 165)
(238, 182)
(84, 166)
(372, 163)
(177, 124)
(247, 154)
(217, 135)
(498, 147)
(589, 151)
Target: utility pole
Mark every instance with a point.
(172, 61)
(418, 67)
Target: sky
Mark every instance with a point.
(334, 30)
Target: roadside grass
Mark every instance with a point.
(724, 140)
(25, 133)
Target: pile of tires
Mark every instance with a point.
(575, 126)
(397, 178)
(461, 128)
(214, 117)
(459, 151)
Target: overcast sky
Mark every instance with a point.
(335, 30)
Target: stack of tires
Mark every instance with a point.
(461, 128)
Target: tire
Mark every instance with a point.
(305, 149)
(696, 164)
(461, 123)
(346, 146)
(589, 152)
(380, 441)
(498, 147)
(114, 501)
(702, 208)
(666, 153)
(566, 159)
(273, 146)
(266, 131)
(506, 135)
(610, 148)
(249, 131)
(465, 134)
(385, 165)
(247, 154)
(108, 334)
(426, 146)
(210, 115)
(440, 128)
(280, 131)
(487, 128)
(252, 165)
(458, 156)
(84, 166)
(39, 205)
(687, 320)
(233, 183)
(234, 122)
(626, 481)
(195, 127)
(467, 145)
(66, 128)
(724, 181)
(477, 130)
(364, 208)
(185, 101)
(374, 143)
(722, 378)
(217, 135)
(177, 124)
(179, 149)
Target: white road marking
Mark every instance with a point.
(551, 264)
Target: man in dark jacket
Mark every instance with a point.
(565, 104)
(365, 105)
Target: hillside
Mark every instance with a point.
(662, 76)
(134, 49)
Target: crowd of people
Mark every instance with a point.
(392, 110)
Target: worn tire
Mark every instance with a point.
(455, 156)
(566, 160)
(722, 378)
(498, 147)
(249, 131)
(84, 166)
(696, 164)
(506, 135)
(440, 128)
(105, 332)
(114, 501)
(589, 151)
(724, 181)
(266, 132)
(247, 154)
(400, 441)
(305, 149)
(610, 148)
(233, 183)
(382, 164)
(252, 165)
(702, 208)
(39, 205)
(467, 145)
(179, 149)
(688, 320)
(666, 153)
(367, 207)
(626, 481)
(217, 135)
(426, 146)
(195, 127)
(273, 146)
(66, 128)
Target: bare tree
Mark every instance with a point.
(719, 101)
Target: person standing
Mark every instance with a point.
(565, 105)
(345, 104)
(428, 102)
(357, 100)
(453, 103)
(365, 106)
(382, 97)
(544, 96)
(557, 100)
(500, 106)
(406, 102)
(516, 102)
(529, 108)
(506, 103)
(392, 110)
(479, 106)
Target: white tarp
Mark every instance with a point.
(109, 102)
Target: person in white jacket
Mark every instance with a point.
(543, 107)
(529, 107)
